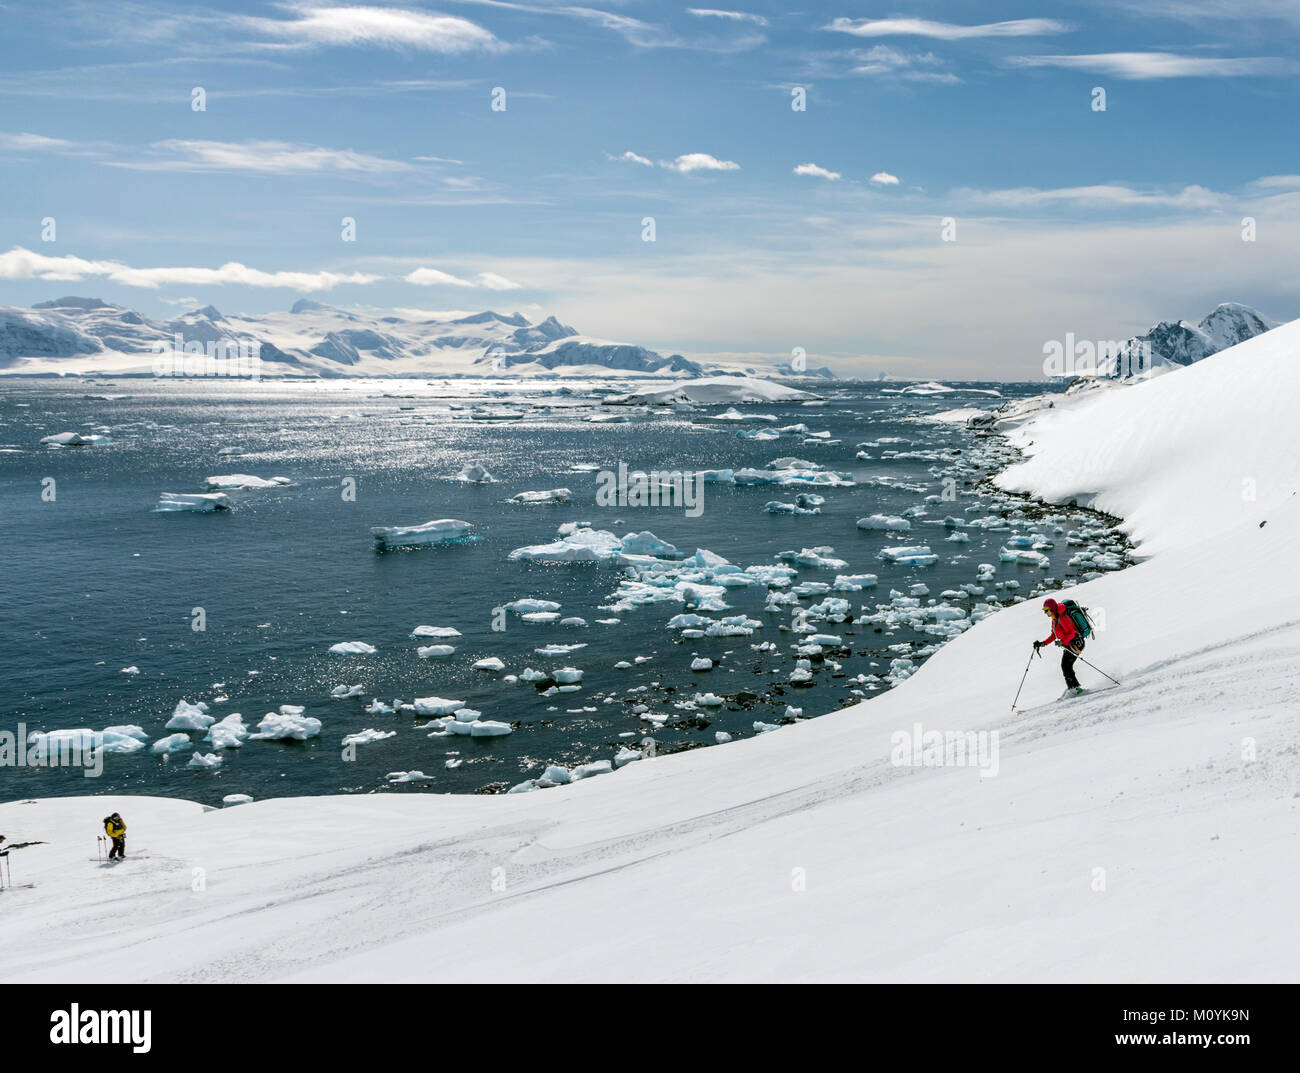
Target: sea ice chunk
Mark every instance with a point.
(429, 534)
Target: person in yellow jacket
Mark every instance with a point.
(116, 830)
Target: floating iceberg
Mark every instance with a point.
(234, 481)
(1025, 557)
(169, 502)
(365, 737)
(597, 545)
(187, 716)
(434, 651)
(475, 474)
(435, 706)
(884, 521)
(172, 743)
(285, 725)
(438, 532)
(487, 728)
(229, 733)
(551, 495)
(646, 543)
(74, 439)
(353, 648)
(910, 555)
(816, 557)
(713, 390)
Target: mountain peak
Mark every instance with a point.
(73, 302)
(1182, 343)
(516, 319)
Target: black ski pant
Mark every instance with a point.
(119, 848)
(1068, 656)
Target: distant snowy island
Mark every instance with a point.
(83, 336)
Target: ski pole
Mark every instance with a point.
(1024, 676)
(1097, 669)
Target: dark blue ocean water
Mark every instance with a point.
(95, 581)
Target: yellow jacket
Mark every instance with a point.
(115, 830)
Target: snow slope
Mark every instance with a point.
(1222, 455)
(1142, 832)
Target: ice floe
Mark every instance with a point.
(200, 502)
(438, 532)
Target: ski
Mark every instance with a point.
(1069, 694)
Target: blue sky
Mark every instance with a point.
(774, 228)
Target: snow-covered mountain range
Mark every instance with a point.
(88, 335)
(1181, 343)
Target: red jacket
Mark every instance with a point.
(1063, 629)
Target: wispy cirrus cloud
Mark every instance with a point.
(314, 26)
(1150, 65)
(885, 62)
(24, 142)
(816, 170)
(265, 157)
(1098, 196)
(733, 16)
(946, 31)
(19, 263)
(742, 34)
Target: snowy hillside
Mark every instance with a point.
(1172, 343)
(85, 335)
(1142, 832)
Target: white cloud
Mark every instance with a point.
(1101, 196)
(434, 277)
(384, 27)
(883, 178)
(902, 66)
(946, 31)
(734, 16)
(689, 162)
(259, 156)
(813, 169)
(1147, 65)
(1278, 182)
(634, 158)
(20, 263)
(38, 142)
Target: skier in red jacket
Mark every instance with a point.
(1065, 634)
